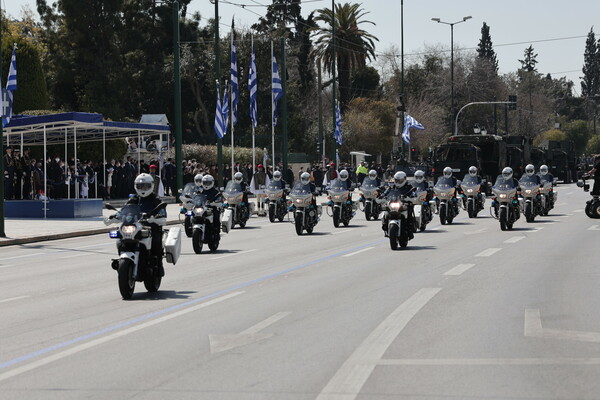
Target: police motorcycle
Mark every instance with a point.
(203, 226)
(235, 209)
(505, 204)
(549, 195)
(368, 198)
(306, 211)
(471, 187)
(398, 207)
(342, 208)
(136, 262)
(592, 207)
(530, 194)
(187, 206)
(423, 207)
(445, 197)
(275, 198)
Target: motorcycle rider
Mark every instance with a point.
(474, 172)
(546, 176)
(422, 184)
(507, 174)
(280, 182)
(148, 201)
(530, 171)
(401, 185)
(447, 173)
(213, 195)
(595, 172)
(347, 182)
(305, 180)
(238, 178)
(373, 176)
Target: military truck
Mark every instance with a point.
(561, 159)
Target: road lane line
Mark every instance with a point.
(234, 254)
(490, 361)
(577, 211)
(488, 252)
(357, 252)
(266, 323)
(514, 239)
(13, 299)
(459, 269)
(341, 231)
(353, 374)
(533, 328)
(594, 228)
(536, 229)
(103, 339)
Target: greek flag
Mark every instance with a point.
(253, 87)
(265, 158)
(277, 90)
(337, 134)
(11, 86)
(220, 127)
(225, 109)
(234, 77)
(410, 122)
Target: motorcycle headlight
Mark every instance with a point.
(337, 197)
(443, 194)
(502, 195)
(299, 201)
(128, 230)
(395, 205)
(469, 190)
(198, 210)
(528, 191)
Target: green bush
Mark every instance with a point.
(208, 154)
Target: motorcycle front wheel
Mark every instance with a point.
(336, 217)
(298, 222)
(529, 215)
(126, 281)
(393, 234)
(152, 283)
(197, 241)
(503, 217)
(213, 244)
(471, 208)
(271, 212)
(187, 224)
(443, 214)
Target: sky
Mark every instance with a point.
(557, 30)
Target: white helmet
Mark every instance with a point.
(544, 169)
(198, 180)
(373, 174)
(419, 176)
(473, 170)
(305, 178)
(447, 172)
(277, 175)
(507, 173)
(208, 181)
(343, 175)
(400, 178)
(238, 177)
(529, 170)
(144, 185)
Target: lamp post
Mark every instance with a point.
(177, 95)
(439, 21)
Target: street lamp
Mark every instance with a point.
(439, 21)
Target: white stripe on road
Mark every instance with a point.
(357, 252)
(341, 231)
(13, 298)
(578, 210)
(459, 269)
(352, 375)
(234, 254)
(514, 239)
(84, 346)
(488, 252)
(536, 229)
(594, 228)
(490, 361)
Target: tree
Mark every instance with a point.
(485, 49)
(579, 132)
(590, 81)
(365, 83)
(530, 60)
(280, 14)
(593, 145)
(353, 45)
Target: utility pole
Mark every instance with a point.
(402, 107)
(334, 143)
(320, 101)
(177, 84)
(284, 145)
(218, 77)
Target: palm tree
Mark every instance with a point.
(353, 45)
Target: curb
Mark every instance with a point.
(58, 236)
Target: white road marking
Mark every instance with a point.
(459, 269)
(84, 346)
(13, 298)
(488, 252)
(491, 361)
(569, 193)
(434, 229)
(341, 231)
(578, 210)
(234, 254)
(352, 375)
(536, 229)
(594, 228)
(533, 328)
(514, 239)
(357, 252)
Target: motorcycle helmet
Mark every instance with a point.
(447, 172)
(198, 180)
(544, 169)
(373, 174)
(419, 176)
(507, 173)
(343, 175)
(238, 177)
(144, 185)
(305, 178)
(277, 175)
(400, 178)
(473, 170)
(208, 181)
(529, 170)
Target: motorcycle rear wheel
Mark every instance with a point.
(197, 241)
(213, 245)
(152, 283)
(126, 281)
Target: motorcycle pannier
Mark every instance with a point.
(226, 220)
(173, 245)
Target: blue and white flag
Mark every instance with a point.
(277, 90)
(253, 88)
(410, 122)
(265, 158)
(225, 108)
(337, 134)
(234, 77)
(11, 86)
(220, 127)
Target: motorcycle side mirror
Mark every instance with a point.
(180, 191)
(158, 208)
(221, 189)
(109, 207)
(579, 184)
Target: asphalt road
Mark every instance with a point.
(466, 312)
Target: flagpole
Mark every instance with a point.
(2, 152)
(252, 123)
(231, 116)
(272, 111)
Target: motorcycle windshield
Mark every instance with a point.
(301, 189)
(444, 183)
(189, 189)
(394, 195)
(504, 185)
(469, 181)
(338, 187)
(529, 182)
(369, 184)
(130, 214)
(200, 200)
(275, 186)
(233, 188)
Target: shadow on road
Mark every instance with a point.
(411, 248)
(163, 295)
